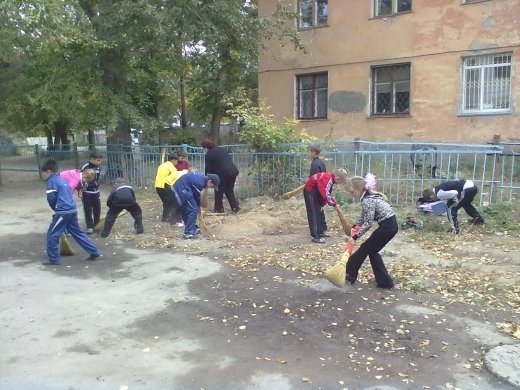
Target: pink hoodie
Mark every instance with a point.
(73, 177)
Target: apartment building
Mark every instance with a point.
(403, 70)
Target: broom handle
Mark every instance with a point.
(291, 193)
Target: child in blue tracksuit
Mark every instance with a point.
(187, 191)
(59, 196)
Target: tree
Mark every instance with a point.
(77, 65)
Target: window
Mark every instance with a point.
(391, 89)
(312, 13)
(486, 83)
(390, 7)
(312, 96)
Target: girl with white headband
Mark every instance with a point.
(374, 208)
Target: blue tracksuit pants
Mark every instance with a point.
(69, 221)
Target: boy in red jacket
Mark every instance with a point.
(317, 193)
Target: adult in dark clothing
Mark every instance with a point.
(187, 191)
(317, 166)
(219, 162)
(122, 198)
(456, 194)
(91, 197)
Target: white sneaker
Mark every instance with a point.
(179, 224)
(90, 231)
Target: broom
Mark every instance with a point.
(345, 223)
(202, 223)
(337, 273)
(204, 198)
(101, 223)
(65, 248)
(291, 193)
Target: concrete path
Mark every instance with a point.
(153, 319)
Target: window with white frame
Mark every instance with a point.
(312, 13)
(312, 95)
(390, 7)
(390, 89)
(486, 83)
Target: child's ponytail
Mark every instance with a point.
(365, 184)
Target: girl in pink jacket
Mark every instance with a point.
(76, 178)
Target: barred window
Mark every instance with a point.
(390, 7)
(312, 13)
(391, 89)
(486, 84)
(312, 95)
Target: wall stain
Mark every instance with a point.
(347, 101)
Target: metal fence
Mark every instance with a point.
(403, 169)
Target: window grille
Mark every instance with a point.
(391, 89)
(486, 84)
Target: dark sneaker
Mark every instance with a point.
(236, 210)
(188, 236)
(350, 279)
(478, 221)
(94, 256)
(49, 262)
(197, 231)
(324, 234)
(319, 240)
(218, 211)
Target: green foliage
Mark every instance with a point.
(265, 135)
(112, 65)
(501, 217)
(185, 136)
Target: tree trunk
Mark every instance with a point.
(48, 134)
(60, 133)
(214, 132)
(183, 104)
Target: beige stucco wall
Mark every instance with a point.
(433, 38)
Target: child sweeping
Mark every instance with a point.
(122, 198)
(374, 208)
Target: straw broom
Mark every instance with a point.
(345, 223)
(202, 223)
(291, 193)
(65, 248)
(337, 273)
(99, 226)
(204, 198)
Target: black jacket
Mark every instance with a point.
(122, 195)
(92, 186)
(457, 185)
(219, 162)
(317, 166)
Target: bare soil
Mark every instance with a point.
(480, 266)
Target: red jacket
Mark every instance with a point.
(323, 182)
